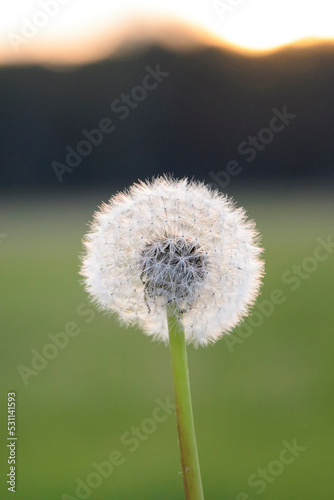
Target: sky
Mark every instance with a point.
(78, 31)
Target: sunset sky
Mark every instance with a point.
(75, 31)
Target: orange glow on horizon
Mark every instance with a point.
(92, 41)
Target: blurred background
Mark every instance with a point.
(93, 97)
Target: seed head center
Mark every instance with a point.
(173, 268)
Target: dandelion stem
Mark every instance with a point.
(185, 421)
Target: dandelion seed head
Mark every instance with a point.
(173, 244)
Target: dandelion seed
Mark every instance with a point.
(192, 251)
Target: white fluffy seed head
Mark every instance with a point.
(177, 245)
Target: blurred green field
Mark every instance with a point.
(249, 394)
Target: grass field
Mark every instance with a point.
(253, 393)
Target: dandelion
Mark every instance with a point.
(180, 261)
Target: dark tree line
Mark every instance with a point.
(207, 113)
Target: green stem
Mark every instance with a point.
(185, 421)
